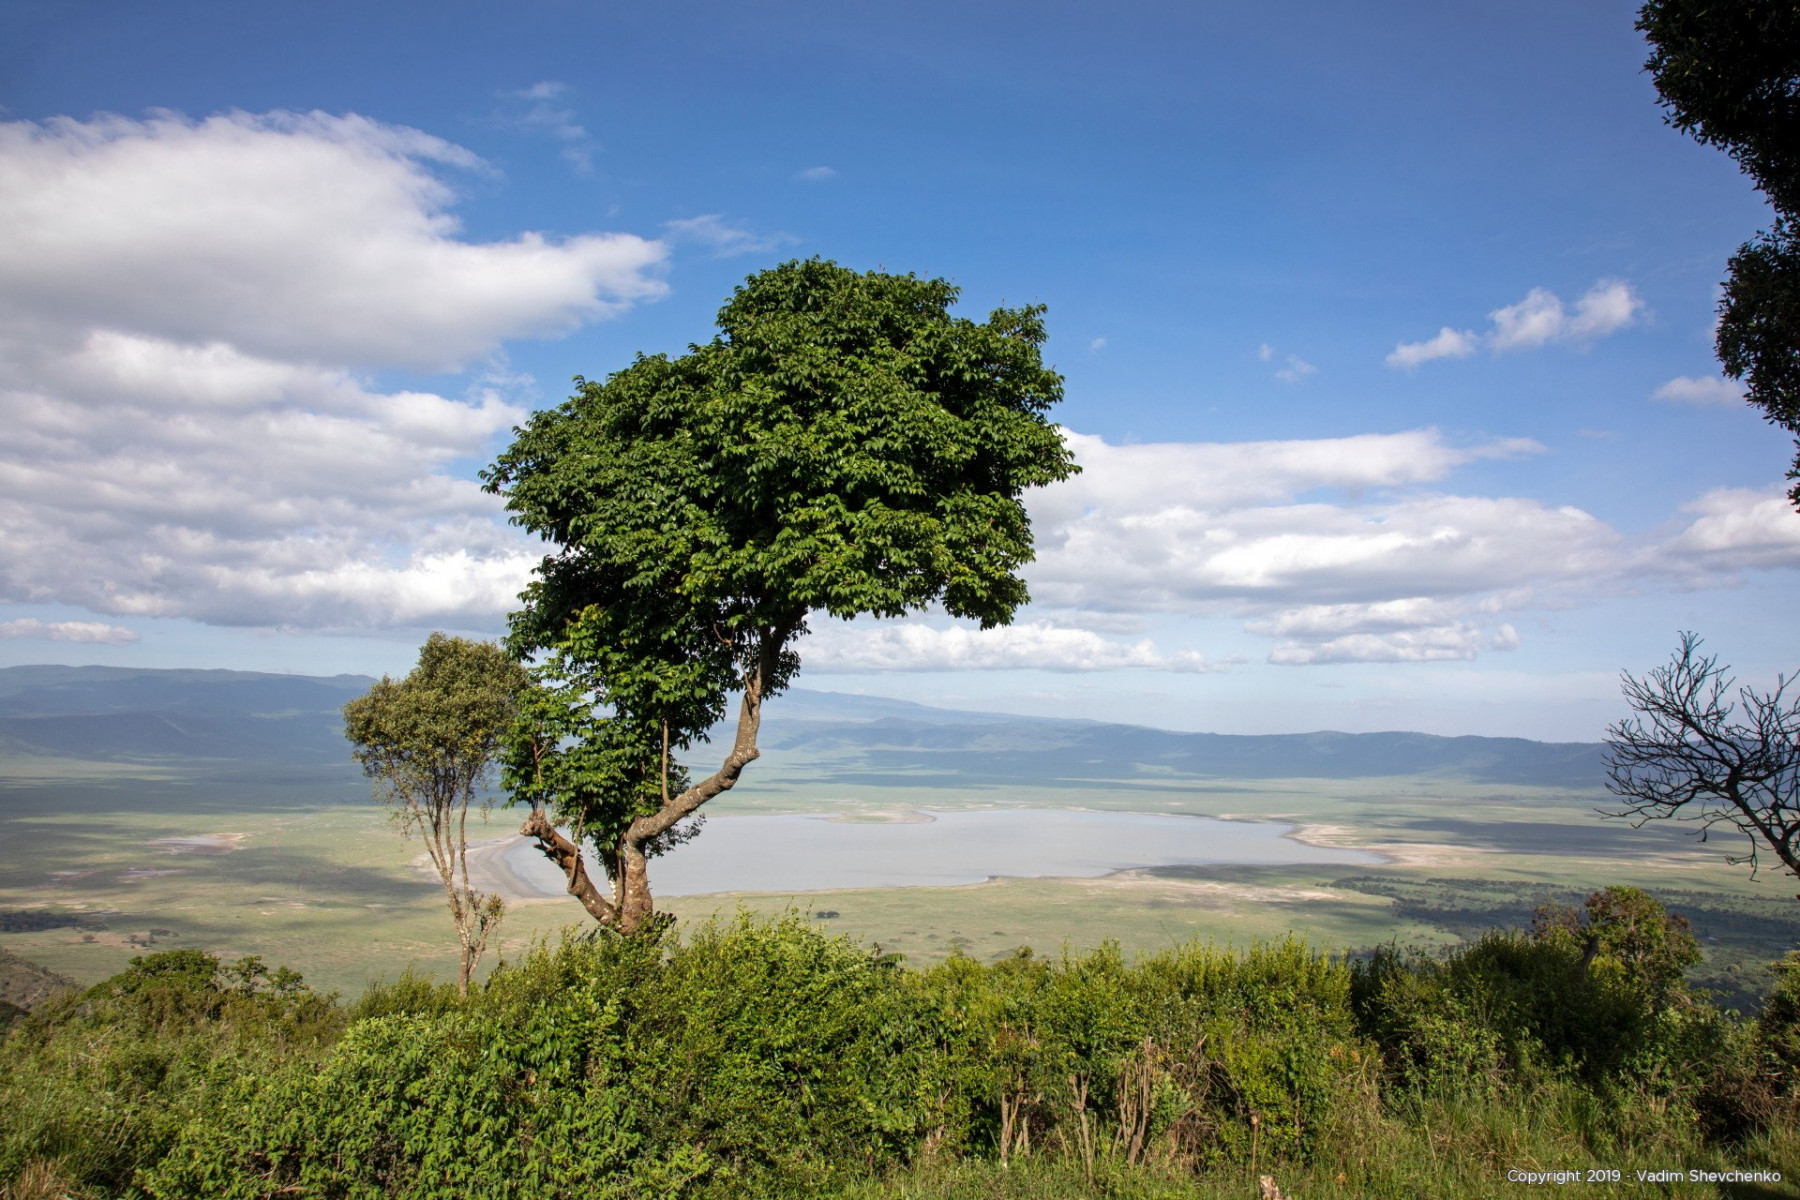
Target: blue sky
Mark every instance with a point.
(1386, 330)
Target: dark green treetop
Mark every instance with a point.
(1728, 72)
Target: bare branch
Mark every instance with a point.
(1684, 757)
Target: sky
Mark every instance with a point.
(1386, 330)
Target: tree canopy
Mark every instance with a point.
(1729, 75)
(843, 445)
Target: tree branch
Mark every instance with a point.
(743, 748)
(567, 856)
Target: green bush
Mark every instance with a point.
(1195, 1055)
(96, 1085)
(750, 1055)
(1595, 995)
(766, 1058)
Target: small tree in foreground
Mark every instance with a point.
(428, 741)
(843, 445)
(1684, 757)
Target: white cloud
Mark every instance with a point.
(1339, 549)
(815, 175)
(185, 312)
(1158, 477)
(545, 119)
(1381, 616)
(68, 631)
(1712, 391)
(1036, 645)
(1537, 320)
(1296, 370)
(723, 238)
(1442, 643)
(1603, 309)
(301, 237)
(1251, 529)
(1734, 529)
(1097, 345)
(1449, 343)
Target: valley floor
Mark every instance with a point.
(100, 862)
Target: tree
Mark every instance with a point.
(429, 743)
(843, 445)
(1684, 758)
(1729, 75)
(1629, 926)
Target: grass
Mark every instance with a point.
(1455, 1152)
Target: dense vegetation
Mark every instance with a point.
(761, 1058)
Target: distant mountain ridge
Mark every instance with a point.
(139, 714)
(1030, 749)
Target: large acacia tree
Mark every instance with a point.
(843, 446)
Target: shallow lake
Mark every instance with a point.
(814, 852)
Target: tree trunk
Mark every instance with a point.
(634, 910)
(638, 907)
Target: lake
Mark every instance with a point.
(801, 852)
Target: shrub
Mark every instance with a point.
(753, 1053)
(1594, 994)
(96, 1085)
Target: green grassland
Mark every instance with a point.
(305, 870)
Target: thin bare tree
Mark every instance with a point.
(429, 743)
(1694, 753)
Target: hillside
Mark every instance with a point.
(116, 713)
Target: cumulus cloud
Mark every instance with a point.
(68, 631)
(1330, 545)
(1163, 477)
(301, 237)
(1449, 343)
(723, 238)
(1732, 530)
(815, 175)
(1440, 643)
(187, 313)
(1340, 550)
(1711, 391)
(1538, 320)
(1038, 645)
